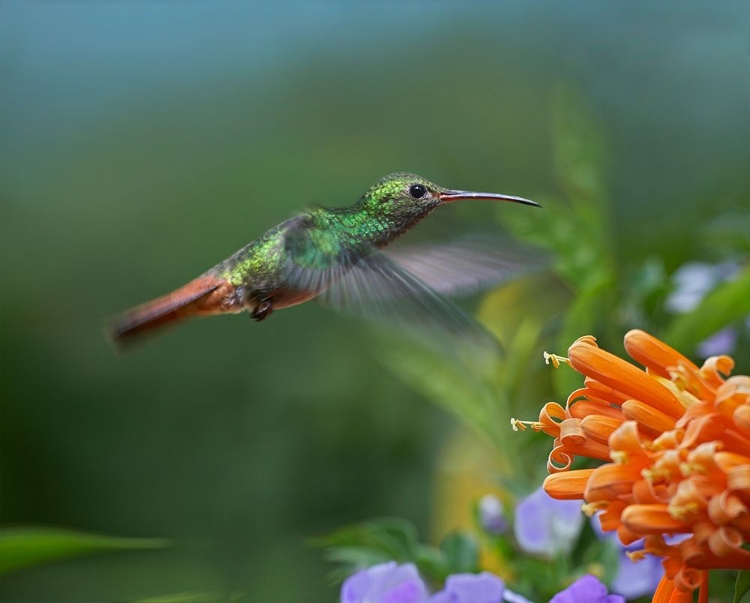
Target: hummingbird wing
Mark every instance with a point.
(361, 280)
(468, 264)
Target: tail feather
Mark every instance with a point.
(203, 296)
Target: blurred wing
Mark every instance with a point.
(364, 281)
(469, 264)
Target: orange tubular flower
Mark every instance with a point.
(677, 438)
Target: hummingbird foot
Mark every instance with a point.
(262, 310)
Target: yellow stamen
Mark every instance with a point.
(592, 508)
(683, 512)
(555, 359)
(655, 476)
(688, 469)
(636, 555)
(619, 456)
(524, 425)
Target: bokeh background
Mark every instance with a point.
(142, 142)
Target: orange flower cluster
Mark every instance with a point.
(677, 438)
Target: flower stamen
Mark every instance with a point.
(555, 359)
(518, 425)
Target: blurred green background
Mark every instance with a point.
(142, 142)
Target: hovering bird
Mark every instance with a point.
(337, 255)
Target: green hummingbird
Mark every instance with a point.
(337, 255)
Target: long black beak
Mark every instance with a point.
(450, 196)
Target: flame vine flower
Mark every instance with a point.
(675, 441)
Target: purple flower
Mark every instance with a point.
(491, 515)
(721, 342)
(471, 588)
(637, 578)
(385, 583)
(586, 589)
(694, 280)
(545, 526)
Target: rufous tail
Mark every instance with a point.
(203, 296)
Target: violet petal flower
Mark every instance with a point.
(546, 526)
(385, 583)
(471, 588)
(637, 578)
(491, 515)
(721, 342)
(587, 589)
(694, 280)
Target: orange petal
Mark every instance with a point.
(667, 593)
(651, 519)
(643, 493)
(738, 478)
(550, 417)
(627, 439)
(668, 467)
(591, 449)
(741, 418)
(571, 432)
(725, 507)
(703, 429)
(738, 559)
(604, 392)
(724, 541)
(611, 481)
(734, 392)
(562, 455)
(688, 501)
(624, 377)
(715, 368)
(569, 485)
(626, 536)
(729, 460)
(609, 518)
(651, 421)
(687, 580)
(584, 408)
(670, 439)
(599, 427)
(654, 354)
(559, 459)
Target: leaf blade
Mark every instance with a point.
(24, 547)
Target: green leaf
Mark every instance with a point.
(742, 585)
(29, 546)
(432, 564)
(724, 305)
(461, 552)
(386, 538)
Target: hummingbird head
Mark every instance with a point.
(403, 199)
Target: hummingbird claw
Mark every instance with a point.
(263, 310)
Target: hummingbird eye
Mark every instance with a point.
(417, 191)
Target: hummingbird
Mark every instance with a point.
(338, 255)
